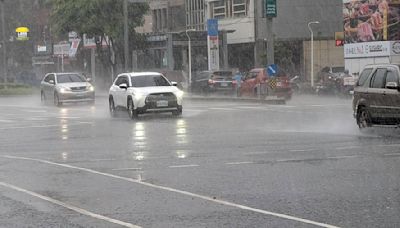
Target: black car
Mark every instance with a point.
(377, 96)
(213, 82)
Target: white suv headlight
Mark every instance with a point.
(179, 94)
(91, 88)
(138, 96)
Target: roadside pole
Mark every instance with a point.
(4, 46)
(270, 42)
(62, 59)
(93, 64)
(126, 36)
(270, 13)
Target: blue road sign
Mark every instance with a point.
(212, 27)
(272, 69)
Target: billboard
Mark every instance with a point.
(371, 20)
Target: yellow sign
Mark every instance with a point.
(272, 83)
(22, 33)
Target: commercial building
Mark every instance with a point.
(247, 44)
(373, 38)
(247, 37)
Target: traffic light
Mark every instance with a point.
(339, 39)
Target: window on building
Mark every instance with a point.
(239, 8)
(229, 8)
(219, 9)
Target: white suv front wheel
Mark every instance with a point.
(131, 110)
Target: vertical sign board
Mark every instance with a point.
(270, 8)
(213, 44)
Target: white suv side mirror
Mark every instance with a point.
(392, 85)
(123, 86)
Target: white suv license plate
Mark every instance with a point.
(162, 104)
(224, 84)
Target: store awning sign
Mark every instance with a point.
(22, 33)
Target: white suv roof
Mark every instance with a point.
(134, 74)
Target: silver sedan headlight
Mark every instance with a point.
(64, 89)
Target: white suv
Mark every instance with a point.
(144, 92)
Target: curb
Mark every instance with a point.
(273, 101)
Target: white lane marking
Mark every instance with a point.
(304, 150)
(19, 106)
(7, 121)
(70, 207)
(345, 156)
(249, 107)
(260, 153)
(348, 147)
(183, 166)
(186, 193)
(389, 145)
(394, 154)
(239, 163)
(68, 117)
(36, 119)
(33, 111)
(330, 105)
(127, 169)
(41, 126)
(102, 159)
(223, 109)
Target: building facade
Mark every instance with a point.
(247, 44)
(247, 37)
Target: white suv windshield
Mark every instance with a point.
(67, 78)
(149, 80)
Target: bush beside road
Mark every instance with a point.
(16, 89)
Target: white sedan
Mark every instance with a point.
(144, 92)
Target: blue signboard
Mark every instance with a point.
(212, 27)
(272, 69)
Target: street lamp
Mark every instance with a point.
(312, 51)
(190, 56)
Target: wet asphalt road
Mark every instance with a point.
(222, 164)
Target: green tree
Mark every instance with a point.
(100, 18)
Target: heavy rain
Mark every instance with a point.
(199, 113)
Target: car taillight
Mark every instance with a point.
(210, 81)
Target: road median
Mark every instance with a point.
(16, 89)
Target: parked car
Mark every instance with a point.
(377, 96)
(214, 82)
(66, 88)
(144, 92)
(258, 79)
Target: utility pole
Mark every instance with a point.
(3, 32)
(126, 36)
(270, 42)
(270, 13)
